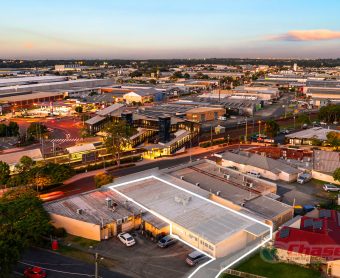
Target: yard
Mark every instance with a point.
(256, 265)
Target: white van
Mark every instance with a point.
(254, 173)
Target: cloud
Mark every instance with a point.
(307, 35)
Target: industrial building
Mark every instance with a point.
(204, 114)
(101, 214)
(267, 167)
(201, 223)
(236, 190)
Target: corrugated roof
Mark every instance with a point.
(94, 207)
(14, 157)
(201, 217)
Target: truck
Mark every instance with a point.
(303, 178)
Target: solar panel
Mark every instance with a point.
(308, 223)
(317, 225)
(325, 213)
(284, 233)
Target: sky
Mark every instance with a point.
(152, 29)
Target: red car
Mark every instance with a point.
(35, 272)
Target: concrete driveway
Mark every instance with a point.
(310, 193)
(145, 259)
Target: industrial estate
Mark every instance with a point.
(205, 167)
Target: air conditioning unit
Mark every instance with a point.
(79, 211)
(197, 184)
(226, 176)
(218, 193)
(182, 177)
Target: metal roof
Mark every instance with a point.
(190, 211)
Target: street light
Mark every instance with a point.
(259, 128)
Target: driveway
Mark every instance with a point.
(145, 259)
(309, 193)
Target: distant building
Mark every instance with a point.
(73, 67)
(13, 158)
(306, 136)
(204, 114)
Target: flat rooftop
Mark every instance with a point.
(191, 211)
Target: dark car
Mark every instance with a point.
(195, 257)
(166, 241)
(35, 272)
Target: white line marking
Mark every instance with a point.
(113, 187)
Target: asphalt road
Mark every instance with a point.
(59, 266)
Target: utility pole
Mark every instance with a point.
(211, 135)
(259, 128)
(96, 265)
(246, 135)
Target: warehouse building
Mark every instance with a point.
(205, 114)
(238, 191)
(204, 224)
(267, 167)
(101, 214)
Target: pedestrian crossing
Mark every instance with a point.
(63, 140)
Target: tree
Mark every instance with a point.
(13, 129)
(41, 181)
(272, 128)
(153, 81)
(333, 138)
(79, 109)
(316, 141)
(117, 138)
(101, 179)
(37, 130)
(176, 75)
(25, 164)
(336, 174)
(329, 113)
(186, 75)
(4, 172)
(303, 119)
(23, 222)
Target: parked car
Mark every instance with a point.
(331, 187)
(194, 258)
(127, 239)
(35, 272)
(303, 178)
(254, 174)
(166, 241)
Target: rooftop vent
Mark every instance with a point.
(182, 199)
(218, 193)
(80, 211)
(197, 184)
(108, 202)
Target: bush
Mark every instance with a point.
(59, 232)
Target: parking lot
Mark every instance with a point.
(146, 259)
(310, 193)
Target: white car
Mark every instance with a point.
(331, 187)
(127, 239)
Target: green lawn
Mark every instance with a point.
(256, 265)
